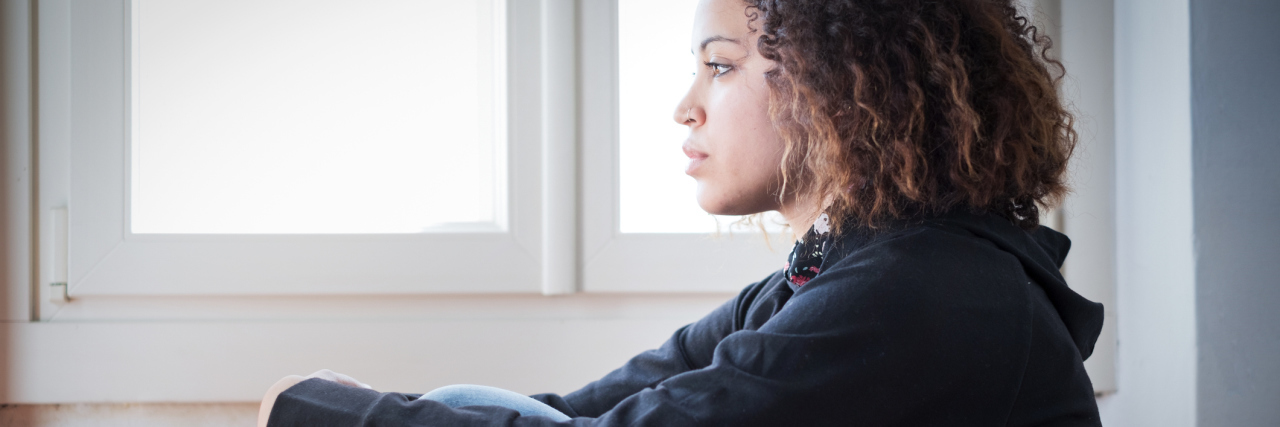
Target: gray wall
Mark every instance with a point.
(1235, 63)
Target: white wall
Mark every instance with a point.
(15, 133)
(1235, 52)
(15, 144)
(1155, 291)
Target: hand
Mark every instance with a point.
(326, 374)
(269, 400)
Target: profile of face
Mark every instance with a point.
(734, 150)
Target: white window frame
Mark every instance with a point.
(85, 45)
(1088, 215)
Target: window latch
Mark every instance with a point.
(58, 257)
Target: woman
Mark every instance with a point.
(916, 142)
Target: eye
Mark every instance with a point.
(718, 69)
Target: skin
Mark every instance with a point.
(734, 151)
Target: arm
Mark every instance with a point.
(871, 341)
(689, 348)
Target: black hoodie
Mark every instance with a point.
(960, 319)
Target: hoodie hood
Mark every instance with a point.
(1041, 252)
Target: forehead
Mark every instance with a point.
(720, 18)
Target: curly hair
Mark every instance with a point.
(895, 108)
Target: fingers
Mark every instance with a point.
(352, 382)
(326, 374)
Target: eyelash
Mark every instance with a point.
(716, 67)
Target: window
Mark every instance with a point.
(340, 117)
(653, 74)
(210, 151)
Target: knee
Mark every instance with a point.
(455, 393)
(460, 395)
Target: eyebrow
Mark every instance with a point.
(713, 39)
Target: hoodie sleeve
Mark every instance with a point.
(689, 348)
(878, 339)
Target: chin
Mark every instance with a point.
(714, 209)
(716, 203)
(709, 202)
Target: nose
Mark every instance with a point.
(688, 112)
(689, 115)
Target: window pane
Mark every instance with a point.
(305, 116)
(655, 70)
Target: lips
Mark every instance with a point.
(695, 159)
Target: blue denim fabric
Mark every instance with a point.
(459, 395)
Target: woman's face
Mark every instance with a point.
(734, 151)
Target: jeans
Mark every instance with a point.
(472, 395)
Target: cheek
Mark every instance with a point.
(744, 134)
(748, 107)
(747, 152)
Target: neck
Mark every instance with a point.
(800, 215)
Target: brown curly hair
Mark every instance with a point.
(897, 108)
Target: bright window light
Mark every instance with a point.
(318, 117)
